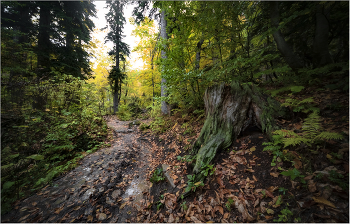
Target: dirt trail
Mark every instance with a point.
(108, 186)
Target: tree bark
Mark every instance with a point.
(291, 58)
(320, 47)
(229, 111)
(44, 36)
(164, 35)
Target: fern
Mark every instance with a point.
(305, 106)
(312, 133)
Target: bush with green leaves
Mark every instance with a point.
(157, 176)
(39, 144)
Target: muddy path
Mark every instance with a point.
(109, 185)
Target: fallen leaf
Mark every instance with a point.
(90, 218)
(272, 188)
(241, 208)
(252, 149)
(220, 182)
(311, 186)
(274, 174)
(170, 201)
(269, 211)
(24, 217)
(308, 177)
(123, 205)
(101, 216)
(255, 178)
(220, 209)
(269, 194)
(226, 215)
(256, 202)
(194, 219)
(297, 163)
(305, 204)
(171, 218)
(322, 200)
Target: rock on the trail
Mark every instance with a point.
(167, 175)
(87, 194)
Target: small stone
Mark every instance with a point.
(167, 175)
(101, 189)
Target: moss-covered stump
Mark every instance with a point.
(230, 109)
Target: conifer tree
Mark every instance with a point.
(116, 21)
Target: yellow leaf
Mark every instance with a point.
(252, 149)
(47, 109)
(329, 156)
(270, 211)
(322, 200)
(123, 205)
(198, 183)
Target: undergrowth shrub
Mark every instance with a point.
(38, 145)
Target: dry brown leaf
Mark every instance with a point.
(194, 219)
(58, 210)
(226, 215)
(220, 209)
(90, 218)
(24, 217)
(170, 201)
(274, 174)
(101, 216)
(324, 201)
(272, 188)
(311, 186)
(245, 214)
(297, 163)
(269, 194)
(256, 202)
(171, 218)
(262, 206)
(308, 177)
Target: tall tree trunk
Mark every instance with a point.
(164, 35)
(291, 58)
(44, 36)
(320, 47)
(115, 101)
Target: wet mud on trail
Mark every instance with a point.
(110, 185)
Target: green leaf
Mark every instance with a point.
(7, 185)
(36, 157)
(296, 89)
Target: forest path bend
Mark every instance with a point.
(110, 185)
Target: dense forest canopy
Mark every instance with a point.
(53, 96)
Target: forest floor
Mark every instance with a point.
(112, 184)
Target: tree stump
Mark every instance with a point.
(230, 109)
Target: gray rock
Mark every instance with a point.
(88, 193)
(167, 175)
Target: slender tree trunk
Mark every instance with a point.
(164, 35)
(320, 47)
(291, 58)
(44, 36)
